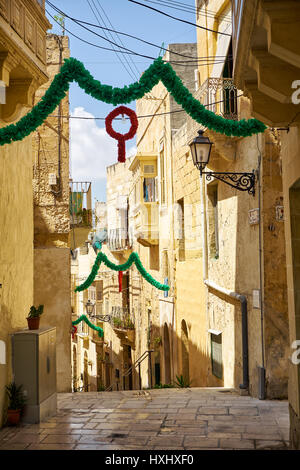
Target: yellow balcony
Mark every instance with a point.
(146, 223)
(145, 199)
(23, 27)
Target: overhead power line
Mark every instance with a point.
(178, 63)
(122, 58)
(188, 9)
(81, 22)
(139, 117)
(178, 19)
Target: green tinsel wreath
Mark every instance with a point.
(74, 70)
(133, 258)
(91, 325)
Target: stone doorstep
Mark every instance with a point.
(269, 445)
(236, 444)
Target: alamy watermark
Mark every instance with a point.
(295, 358)
(296, 94)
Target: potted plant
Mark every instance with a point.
(33, 318)
(16, 403)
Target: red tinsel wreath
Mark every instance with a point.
(121, 138)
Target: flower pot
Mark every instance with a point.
(33, 323)
(13, 417)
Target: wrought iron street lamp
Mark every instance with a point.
(90, 306)
(200, 150)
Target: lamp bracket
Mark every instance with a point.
(104, 318)
(240, 181)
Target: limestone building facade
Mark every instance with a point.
(265, 40)
(51, 196)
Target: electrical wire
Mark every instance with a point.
(140, 117)
(187, 8)
(129, 52)
(179, 19)
(194, 62)
(126, 65)
(76, 20)
(120, 39)
(190, 7)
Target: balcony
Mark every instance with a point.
(146, 223)
(219, 95)
(145, 212)
(266, 42)
(23, 27)
(81, 217)
(123, 322)
(118, 240)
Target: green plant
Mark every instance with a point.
(100, 387)
(164, 386)
(128, 323)
(157, 340)
(117, 321)
(36, 312)
(182, 382)
(16, 398)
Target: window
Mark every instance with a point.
(213, 229)
(99, 287)
(181, 230)
(216, 355)
(162, 176)
(149, 189)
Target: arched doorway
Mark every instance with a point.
(85, 373)
(167, 359)
(185, 351)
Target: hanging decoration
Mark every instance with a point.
(91, 325)
(74, 331)
(74, 70)
(120, 280)
(133, 258)
(121, 138)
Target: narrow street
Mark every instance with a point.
(174, 419)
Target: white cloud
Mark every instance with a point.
(92, 149)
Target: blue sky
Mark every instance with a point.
(91, 149)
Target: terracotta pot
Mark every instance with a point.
(33, 323)
(13, 417)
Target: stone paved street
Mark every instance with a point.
(174, 419)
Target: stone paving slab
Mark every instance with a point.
(167, 419)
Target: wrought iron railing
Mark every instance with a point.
(137, 364)
(80, 204)
(219, 95)
(118, 239)
(122, 317)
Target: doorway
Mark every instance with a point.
(185, 361)
(167, 358)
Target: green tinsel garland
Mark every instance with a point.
(74, 70)
(133, 258)
(91, 325)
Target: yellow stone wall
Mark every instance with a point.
(16, 247)
(291, 173)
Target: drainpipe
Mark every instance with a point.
(241, 298)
